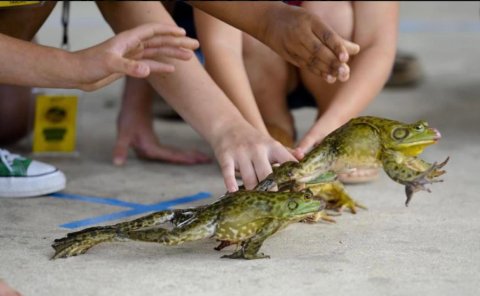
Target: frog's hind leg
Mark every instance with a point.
(79, 242)
(336, 196)
(195, 228)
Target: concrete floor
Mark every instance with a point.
(429, 248)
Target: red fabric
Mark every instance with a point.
(295, 3)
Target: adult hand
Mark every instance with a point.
(136, 52)
(250, 152)
(302, 39)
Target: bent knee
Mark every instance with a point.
(337, 15)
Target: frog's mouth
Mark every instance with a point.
(313, 207)
(417, 147)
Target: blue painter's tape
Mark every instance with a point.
(136, 209)
(100, 200)
(177, 201)
(101, 219)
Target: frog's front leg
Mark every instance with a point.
(281, 177)
(250, 247)
(427, 177)
(412, 172)
(223, 244)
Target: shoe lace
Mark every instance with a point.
(7, 158)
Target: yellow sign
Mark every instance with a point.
(18, 3)
(55, 123)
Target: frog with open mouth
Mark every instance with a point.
(363, 142)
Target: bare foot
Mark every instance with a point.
(141, 138)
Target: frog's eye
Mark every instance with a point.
(308, 194)
(400, 133)
(292, 205)
(420, 128)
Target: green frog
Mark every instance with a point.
(244, 218)
(363, 142)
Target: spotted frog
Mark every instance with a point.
(363, 142)
(244, 218)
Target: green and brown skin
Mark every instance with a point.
(245, 218)
(365, 142)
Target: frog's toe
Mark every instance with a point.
(255, 256)
(258, 256)
(349, 204)
(411, 188)
(352, 206)
(427, 177)
(242, 255)
(434, 171)
(321, 215)
(234, 255)
(73, 249)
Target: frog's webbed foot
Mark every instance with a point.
(427, 177)
(72, 249)
(346, 203)
(436, 169)
(336, 196)
(78, 243)
(240, 254)
(321, 215)
(268, 184)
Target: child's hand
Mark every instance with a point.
(250, 152)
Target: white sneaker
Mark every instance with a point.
(23, 177)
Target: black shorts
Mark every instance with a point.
(300, 97)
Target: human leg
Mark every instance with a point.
(340, 17)
(15, 101)
(15, 113)
(271, 78)
(20, 176)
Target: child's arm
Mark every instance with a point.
(196, 97)
(295, 34)
(222, 49)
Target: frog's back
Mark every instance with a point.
(244, 213)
